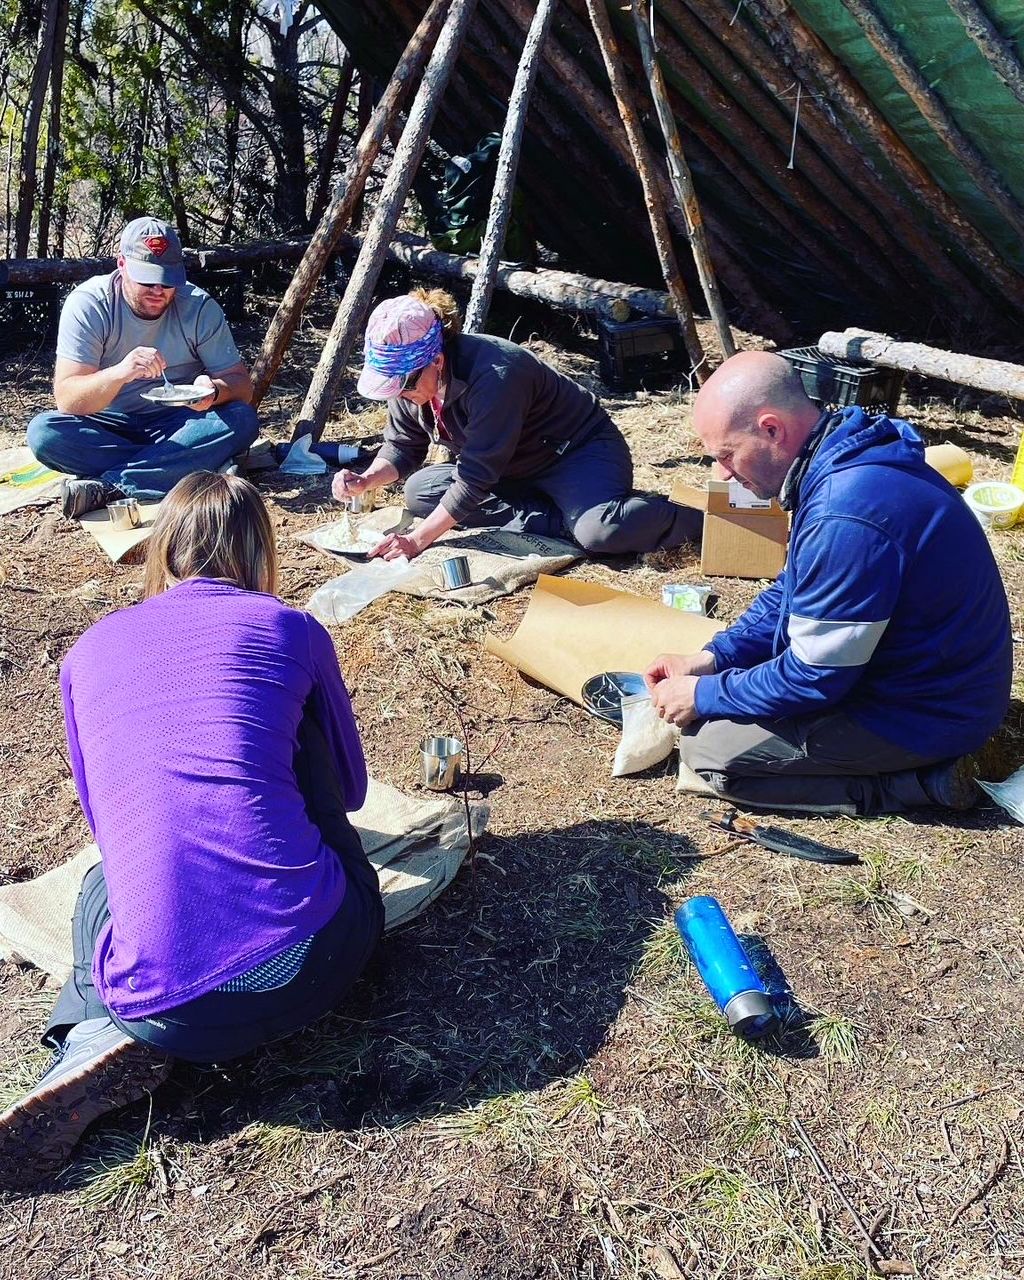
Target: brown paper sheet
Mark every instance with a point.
(120, 544)
(574, 630)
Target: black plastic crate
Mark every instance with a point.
(634, 353)
(225, 285)
(828, 381)
(29, 314)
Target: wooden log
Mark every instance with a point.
(564, 290)
(508, 163)
(998, 53)
(887, 45)
(355, 304)
(338, 213)
(754, 50)
(23, 272)
(970, 371)
(844, 90)
(644, 161)
(682, 181)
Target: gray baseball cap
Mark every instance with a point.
(152, 252)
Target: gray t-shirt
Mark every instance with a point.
(98, 328)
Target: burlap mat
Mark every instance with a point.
(416, 844)
(499, 562)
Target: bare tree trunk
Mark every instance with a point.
(970, 371)
(891, 51)
(682, 181)
(33, 119)
(290, 191)
(508, 163)
(364, 110)
(332, 139)
(53, 128)
(652, 195)
(339, 212)
(355, 303)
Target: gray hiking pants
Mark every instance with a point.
(586, 494)
(818, 764)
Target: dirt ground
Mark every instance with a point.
(531, 1082)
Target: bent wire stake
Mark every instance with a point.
(778, 841)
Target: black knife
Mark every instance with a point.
(775, 839)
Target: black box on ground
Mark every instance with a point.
(633, 353)
(29, 314)
(225, 285)
(829, 381)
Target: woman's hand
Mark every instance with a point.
(396, 545)
(347, 483)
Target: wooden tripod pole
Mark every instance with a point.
(652, 196)
(354, 305)
(508, 163)
(338, 213)
(682, 180)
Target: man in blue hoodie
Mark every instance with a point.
(881, 656)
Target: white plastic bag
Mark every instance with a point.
(1009, 795)
(342, 598)
(646, 738)
(299, 461)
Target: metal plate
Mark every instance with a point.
(602, 695)
(177, 393)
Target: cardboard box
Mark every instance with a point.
(744, 537)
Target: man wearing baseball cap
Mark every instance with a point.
(535, 452)
(120, 335)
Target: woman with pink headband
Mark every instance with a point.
(534, 452)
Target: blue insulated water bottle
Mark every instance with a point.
(726, 968)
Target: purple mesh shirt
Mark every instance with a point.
(182, 716)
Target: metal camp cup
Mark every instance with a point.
(124, 514)
(455, 573)
(440, 759)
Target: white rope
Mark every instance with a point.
(796, 121)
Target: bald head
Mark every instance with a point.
(753, 417)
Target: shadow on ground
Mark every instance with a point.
(510, 981)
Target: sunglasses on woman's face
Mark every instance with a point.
(410, 380)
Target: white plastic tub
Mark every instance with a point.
(996, 504)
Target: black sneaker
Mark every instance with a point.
(77, 497)
(952, 783)
(96, 1070)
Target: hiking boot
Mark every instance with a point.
(77, 497)
(97, 1069)
(952, 783)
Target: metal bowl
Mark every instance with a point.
(602, 695)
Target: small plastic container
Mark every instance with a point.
(726, 968)
(995, 503)
(686, 597)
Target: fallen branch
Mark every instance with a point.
(970, 371)
(998, 1169)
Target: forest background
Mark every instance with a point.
(214, 114)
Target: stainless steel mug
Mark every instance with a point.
(440, 759)
(455, 573)
(124, 514)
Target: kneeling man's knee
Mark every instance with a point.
(597, 534)
(420, 493)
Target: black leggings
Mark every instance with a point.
(226, 1024)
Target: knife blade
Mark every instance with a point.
(777, 840)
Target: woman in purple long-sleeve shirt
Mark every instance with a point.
(215, 754)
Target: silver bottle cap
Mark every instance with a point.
(751, 1014)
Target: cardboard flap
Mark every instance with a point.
(721, 501)
(688, 495)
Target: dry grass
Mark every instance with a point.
(532, 1081)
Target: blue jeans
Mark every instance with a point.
(143, 455)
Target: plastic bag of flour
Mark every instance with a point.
(342, 598)
(646, 738)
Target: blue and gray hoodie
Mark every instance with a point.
(890, 606)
